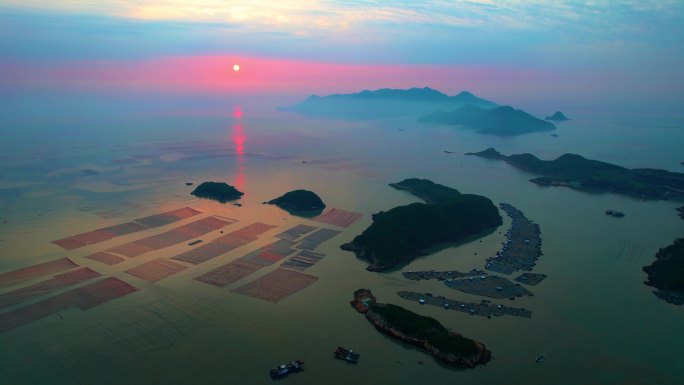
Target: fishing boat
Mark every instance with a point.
(347, 355)
(539, 358)
(616, 214)
(285, 369)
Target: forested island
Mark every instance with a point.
(218, 191)
(577, 172)
(399, 235)
(299, 202)
(667, 273)
(504, 121)
(426, 333)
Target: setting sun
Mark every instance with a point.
(236, 67)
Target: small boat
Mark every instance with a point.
(616, 214)
(539, 358)
(347, 355)
(285, 369)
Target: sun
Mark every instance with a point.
(236, 67)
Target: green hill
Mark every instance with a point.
(300, 202)
(404, 233)
(218, 191)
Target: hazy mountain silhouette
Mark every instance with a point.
(503, 120)
(385, 103)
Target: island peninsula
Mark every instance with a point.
(577, 172)
(426, 333)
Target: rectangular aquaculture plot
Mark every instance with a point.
(276, 285)
(36, 271)
(156, 270)
(224, 243)
(164, 219)
(130, 250)
(338, 217)
(107, 233)
(60, 281)
(229, 273)
(105, 257)
(302, 261)
(84, 298)
(295, 232)
(170, 238)
(313, 240)
(126, 228)
(204, 253)
(252, 231)
(270, 253)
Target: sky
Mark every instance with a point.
(613, 53)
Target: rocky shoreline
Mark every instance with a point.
(666, 273)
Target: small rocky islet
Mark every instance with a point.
(218, 191)
(557, 117)
(299, 202)
(426, 333)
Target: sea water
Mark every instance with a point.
(88, 163)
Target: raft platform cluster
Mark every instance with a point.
(522, 247)
(483, 309)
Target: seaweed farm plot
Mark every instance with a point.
(156, 270)
(224, 243)
(105, 257)
(488, 286)
(276, 285)
(530, 278)
(229, 273)
(302, 261)
(337, 217)
(107, 233)
(36, 271)
(248, 264)
(313, 240)
(84, 298)
(522, 247)
(441, 275)
(483, 309)
(168, 217)
(171, 237)
(57, 282)
(270, 253)
(294, 233)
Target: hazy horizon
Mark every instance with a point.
(565, 55)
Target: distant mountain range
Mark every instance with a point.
(426, 104)
(385, 102)
(503, 120)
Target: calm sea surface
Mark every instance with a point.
(73, 167)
